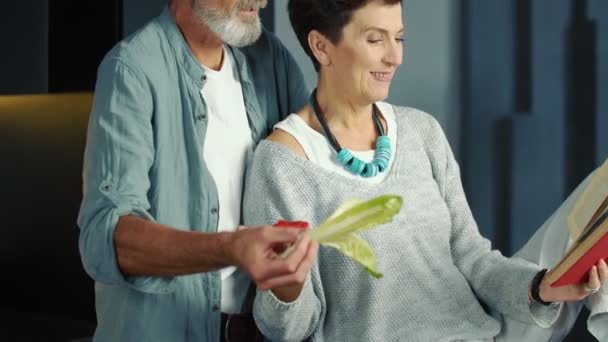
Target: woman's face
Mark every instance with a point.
(364, 61)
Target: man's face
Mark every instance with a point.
(236, 22)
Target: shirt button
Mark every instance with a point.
(204, 78)
(215, 308)
(201, 117)
(214, 211)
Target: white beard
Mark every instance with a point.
(229, 27)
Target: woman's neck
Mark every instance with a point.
(340, 109)
(348, 118)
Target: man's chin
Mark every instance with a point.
(244, 40)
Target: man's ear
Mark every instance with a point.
(319, 45)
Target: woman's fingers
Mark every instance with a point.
(287, 268)
(299, 276)
(253, 250)
(603, 271)
(598, 276)
(593, 285)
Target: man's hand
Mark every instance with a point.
(254, 251)
(597, 279)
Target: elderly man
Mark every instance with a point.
(178, 107)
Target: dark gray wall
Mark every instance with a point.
(24, 50)
(137, 12)
(599, 12)
(521, 158)
(538, 171)
(429, 77)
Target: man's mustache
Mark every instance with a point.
(252, 4)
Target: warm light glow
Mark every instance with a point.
(44, 113)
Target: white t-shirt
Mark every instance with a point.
(319, 150)
(228, 145)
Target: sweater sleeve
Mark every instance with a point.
(268, 197)
(598, 318)
(500, 282)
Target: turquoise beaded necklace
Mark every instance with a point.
(346, 157)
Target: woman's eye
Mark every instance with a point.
(374, 40)
(399, 40)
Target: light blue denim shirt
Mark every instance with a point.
(144, 156)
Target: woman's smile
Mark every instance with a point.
(385, 77)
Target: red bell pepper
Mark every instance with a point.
(302, 225)
(292, 224)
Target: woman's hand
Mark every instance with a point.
(252, 249)
(597, 279)
(296, 280)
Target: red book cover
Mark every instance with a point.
(579, 272)
(588, 226)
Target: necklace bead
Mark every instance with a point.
(345, 157)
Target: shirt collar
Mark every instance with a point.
(186, 58)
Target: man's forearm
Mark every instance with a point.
(145, 248)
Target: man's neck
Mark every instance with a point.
(205, 45)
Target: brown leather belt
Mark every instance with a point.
(239, 328)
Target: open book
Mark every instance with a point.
(588, 226)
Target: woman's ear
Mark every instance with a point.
(319, 45)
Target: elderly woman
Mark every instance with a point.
(348, 144)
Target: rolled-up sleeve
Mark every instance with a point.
(118, 157)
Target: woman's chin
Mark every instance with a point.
(379, 92)
(378, 96)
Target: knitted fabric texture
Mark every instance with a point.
(437, 267)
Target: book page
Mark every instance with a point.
(579, 247)
(586, 241)
(587, 207)
(593, 227)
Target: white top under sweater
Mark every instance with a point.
(319, 151)
(437, 267)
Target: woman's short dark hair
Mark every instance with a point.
(326, 16)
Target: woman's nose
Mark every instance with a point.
(394, 54)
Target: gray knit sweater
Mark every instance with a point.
(437, 267)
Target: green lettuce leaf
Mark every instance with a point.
(357, 249)
(353, 216)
